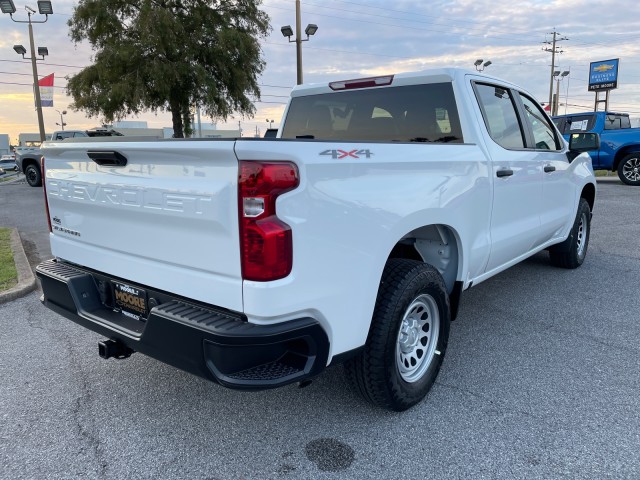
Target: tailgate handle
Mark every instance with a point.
(107, 158)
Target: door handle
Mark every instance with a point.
(107, 158)
(504, 173)
(549, 168)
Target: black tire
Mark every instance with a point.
(572, 252)
(629, 169)
(410, 291)
(33, 175)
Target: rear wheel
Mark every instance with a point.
(33, 175)
(629, 169)
(407, 339)
(572, 252)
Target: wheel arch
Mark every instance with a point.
(623, 152)
(438, 245)
(589, 194)
(28, 161)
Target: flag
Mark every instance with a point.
(46, 91)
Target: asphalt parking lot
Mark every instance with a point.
(541, 380)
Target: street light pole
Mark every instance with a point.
(288, 32)
(44, 8)
(298, 43)
(566, 97)
(62, 122)
(556, 103)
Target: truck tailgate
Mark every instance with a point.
(167, 219)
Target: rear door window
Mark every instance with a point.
(499, 112)
(414, 113)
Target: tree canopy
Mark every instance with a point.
(168, 55)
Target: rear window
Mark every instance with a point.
(415, 113)
(616, 122)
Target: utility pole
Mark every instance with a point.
(554, 49)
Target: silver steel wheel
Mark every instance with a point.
(581, 235)
(417, 338)
(631, 169)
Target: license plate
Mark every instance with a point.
(131, 301)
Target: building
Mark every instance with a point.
(5, 145)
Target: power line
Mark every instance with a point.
(405, 27)
(24, 84)
(413, 14)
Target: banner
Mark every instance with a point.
(46, 91)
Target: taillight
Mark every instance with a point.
(265, 240)
(44, 189)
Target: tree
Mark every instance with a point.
(168, 55)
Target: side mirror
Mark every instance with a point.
(584, 142)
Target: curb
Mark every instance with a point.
(26, 279)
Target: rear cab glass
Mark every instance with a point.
(414, 113)
(614, 121)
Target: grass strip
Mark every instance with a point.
(8, 272)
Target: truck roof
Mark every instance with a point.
(436, 75)
(589, 113)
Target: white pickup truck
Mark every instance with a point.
(349, 238)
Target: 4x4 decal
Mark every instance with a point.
(338, 154)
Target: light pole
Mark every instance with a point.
(566, 97)
(287, 31)
(558, 76)
(481, 66)
(270, 122)
(44, 8)
(62, 122)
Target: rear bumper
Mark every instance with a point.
(201, 339)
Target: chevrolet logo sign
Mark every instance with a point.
(605, 67)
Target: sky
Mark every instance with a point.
(363, 38)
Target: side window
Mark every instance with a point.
(544, 135)
(500, 116)
(578, 123)
(560, 123)
(63, 135)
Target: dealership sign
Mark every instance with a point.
(603, 75)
